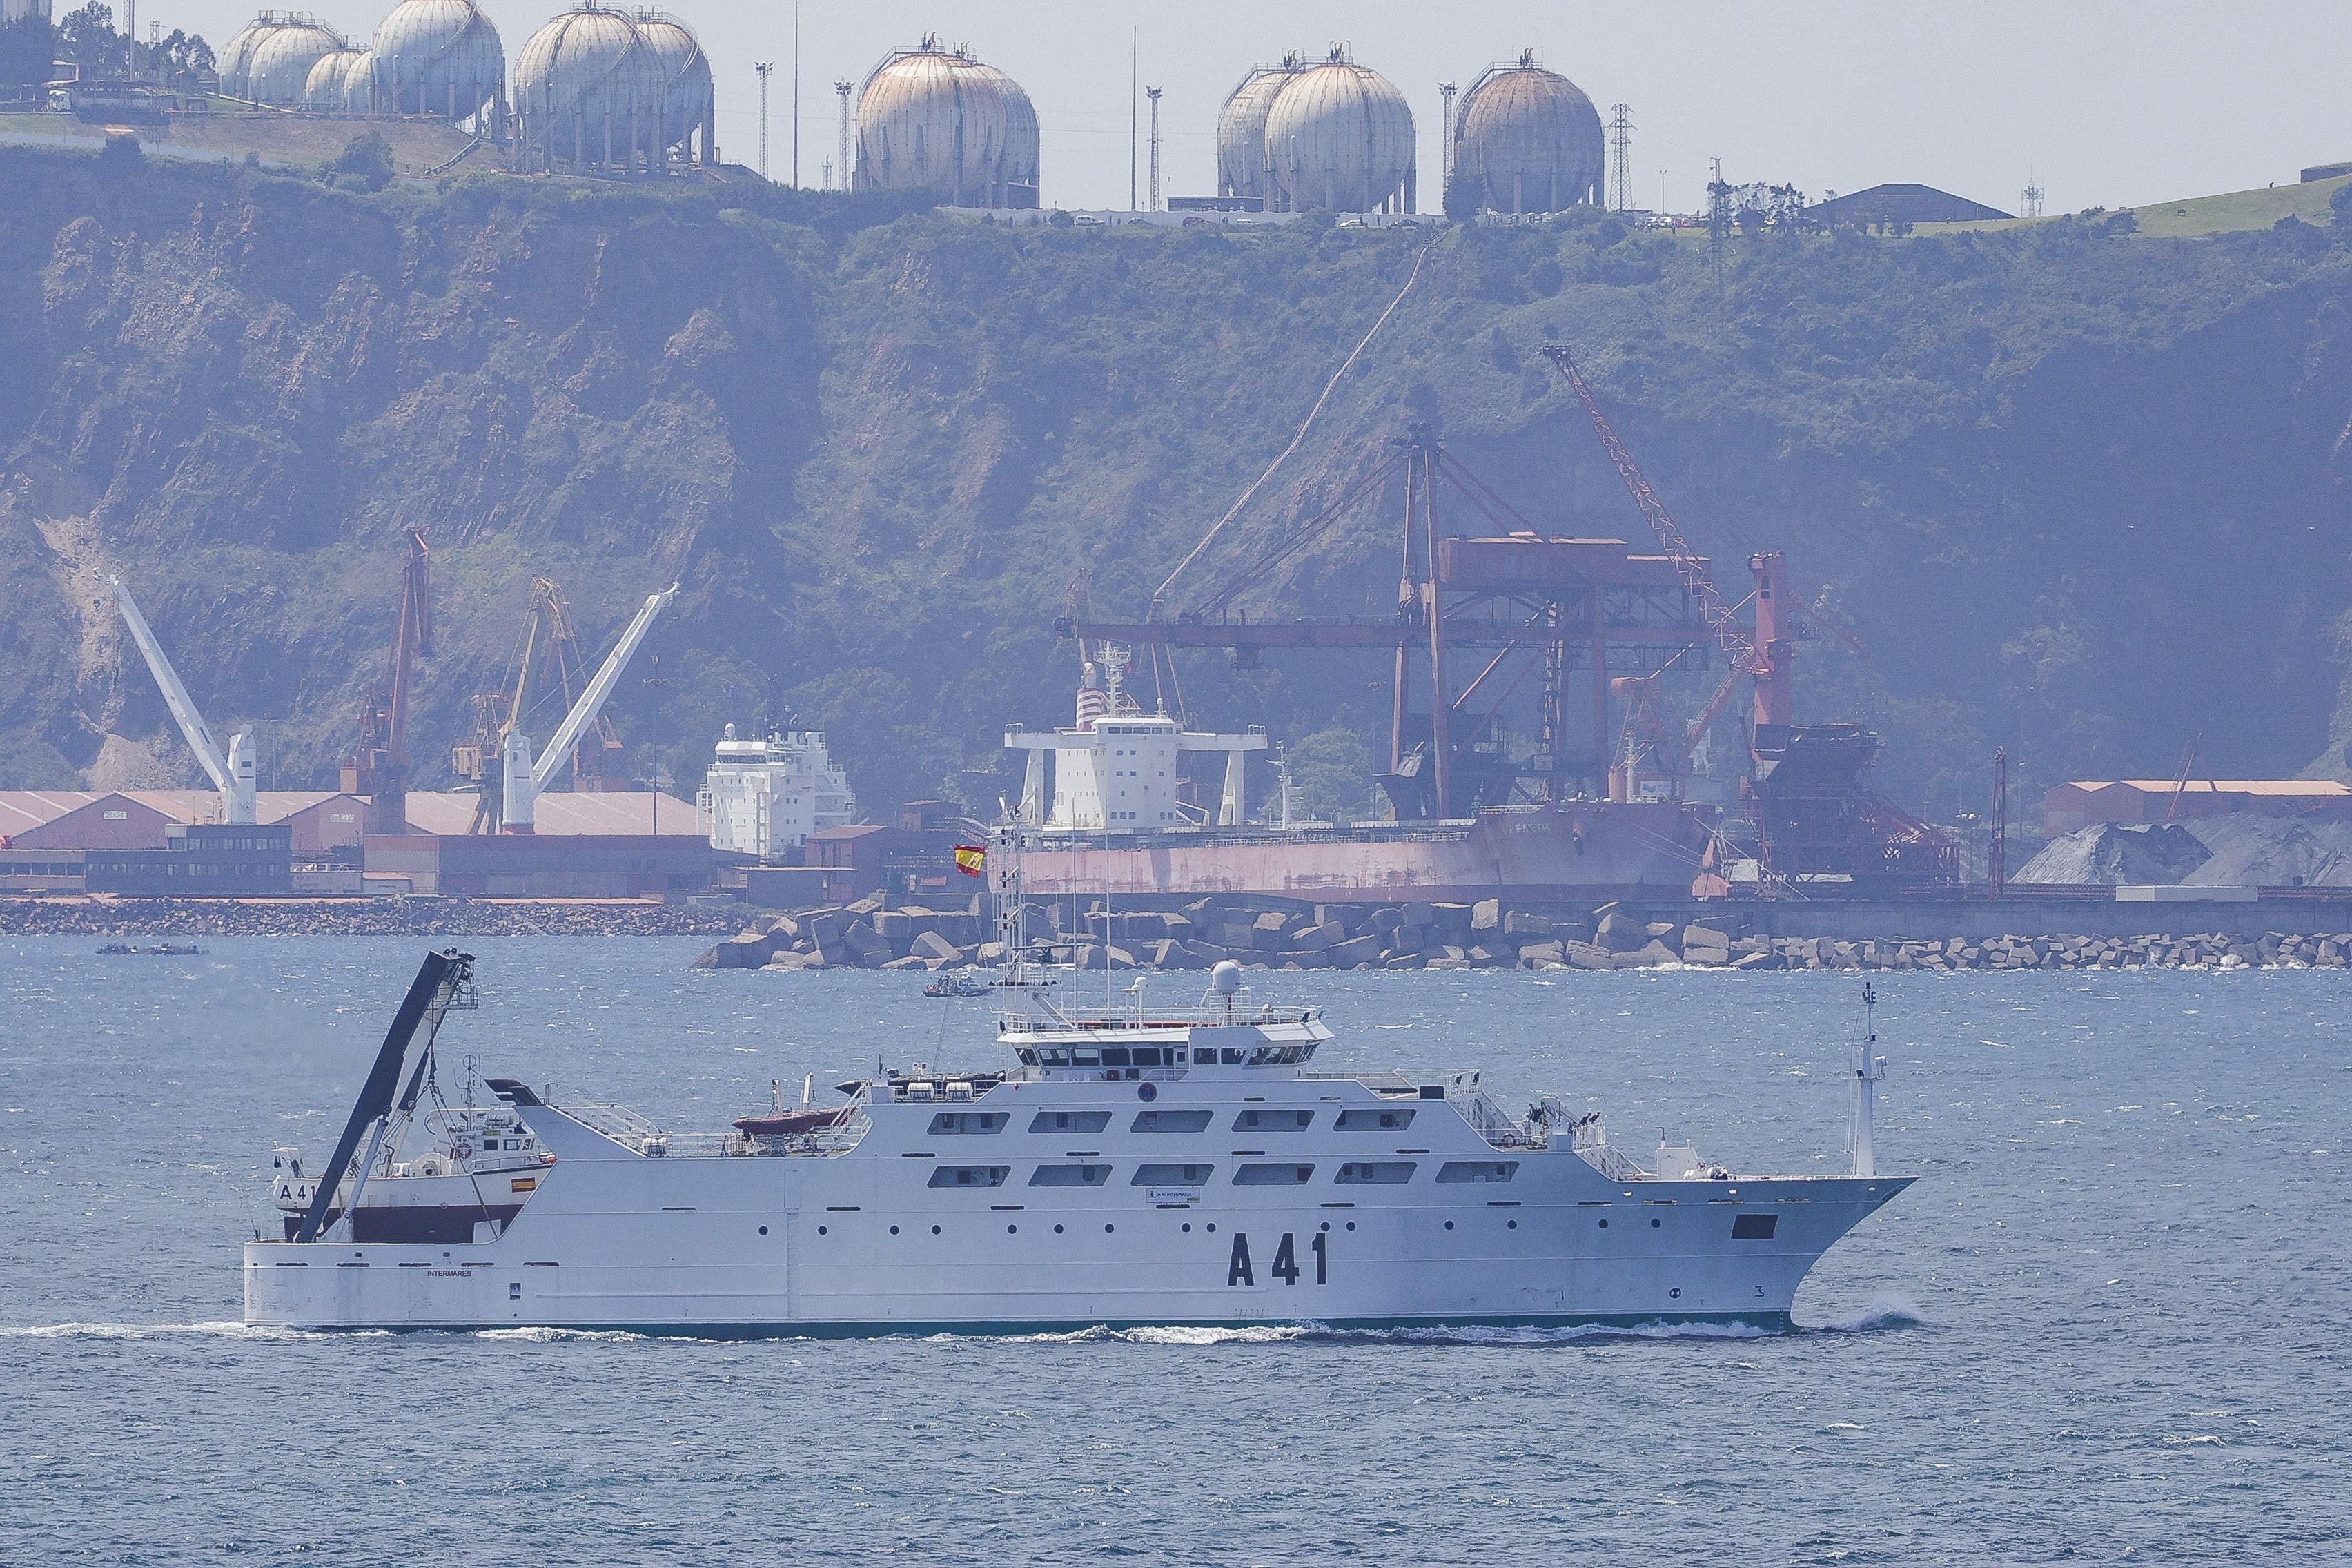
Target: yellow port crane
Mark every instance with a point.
(548, 649)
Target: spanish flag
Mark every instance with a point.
(970, 859)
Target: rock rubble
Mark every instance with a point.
(354, 917)
(871, 935)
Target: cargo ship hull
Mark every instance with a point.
(1575, 850)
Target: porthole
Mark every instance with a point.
(1186, 1227)
(820, 1230)
(935, 1230)
(1351, 1224)
(894, 1230)
(1677, 1292)
(1212, 1228)
(1012, 1230)
(763, 1230)
(1109, 1228)
(1604, 1225)
(1449, 1225)
(1325, 1226)
(1655, 1224)
(1058, 1230)
(1512, 1225)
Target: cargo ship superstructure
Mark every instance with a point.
(1126, 1165)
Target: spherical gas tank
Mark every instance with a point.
(1530, 139)
(937, 120)
(685, 72)
(439, 58)
(1339, 138)
(1241, 130)
(588, 90)
(322, 90)
(279, 67)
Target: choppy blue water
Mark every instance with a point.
(2108, 1325)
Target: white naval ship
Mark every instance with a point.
(1123, 1168)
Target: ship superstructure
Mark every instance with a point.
(1131, 1164)
(764, 796)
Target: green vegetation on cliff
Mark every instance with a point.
(2080, 489)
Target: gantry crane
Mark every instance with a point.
(522, 780)
(546, 653)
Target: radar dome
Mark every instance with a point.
(688, 107)
(1241, 130)
(934, 120)
(279, 67)
(589, 93)
(1340, 137)
(437, 58)
(1529, 140)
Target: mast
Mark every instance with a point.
(1865, 1089)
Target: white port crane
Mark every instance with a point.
(523, 780)
(233, 773)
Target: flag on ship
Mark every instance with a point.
(970, 859)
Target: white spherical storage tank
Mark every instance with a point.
(437, 58)
(237, 53)
(1241, 130)
(322, 90)
(934, 120)
(689, 107)
(589, 94)
(359, 84)
(1529, 139)
(1340, 137)
(279, 67)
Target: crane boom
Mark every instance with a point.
(525, 779)
(232, 774)
(1735, 643)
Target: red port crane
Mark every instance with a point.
(378, 768)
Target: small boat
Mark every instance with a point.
(159, 950)
(792, 1123)
(956, 986)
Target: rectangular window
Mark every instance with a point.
(1273, 1121)
(1367, 1119)
(1069, 1122)
(1147, 1056)
(1275, 1176)
(1477, 1169)
(1376, 1172)
(970, 1175)
(969, 1121)
(1171, 1122)
(1170, 1175)
(1069, 1175)
(1085, 1058)
(1115, 1057)
(1754, 1226)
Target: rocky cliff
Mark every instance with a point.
(2080, 492)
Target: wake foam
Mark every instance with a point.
(224, 1330)
(1885, 1312)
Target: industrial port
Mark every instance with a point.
(1586, 737)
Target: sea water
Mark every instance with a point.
(2108, 1324)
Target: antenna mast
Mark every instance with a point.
(1865, 1089)
(1621, 144)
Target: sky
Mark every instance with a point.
(2101, 104)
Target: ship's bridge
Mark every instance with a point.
(1056, 1045)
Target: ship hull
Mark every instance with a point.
(863, 1243)
(1573, 850)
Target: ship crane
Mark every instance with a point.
(378, 768)
(232, 773)
(524, 781)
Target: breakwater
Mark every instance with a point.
(354, 917)
(874, 934)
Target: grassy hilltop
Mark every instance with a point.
(2080, 489)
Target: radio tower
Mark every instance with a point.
(2028, 203)
(1620, 146)
(763, 68)
(1153, 94)
(842, 89)
(1445, 90)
